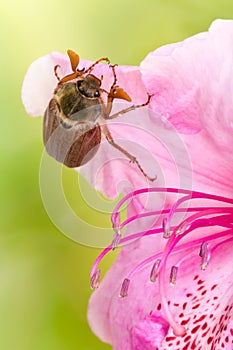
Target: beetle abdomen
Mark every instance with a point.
(84, 147)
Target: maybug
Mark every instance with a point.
(75, 118)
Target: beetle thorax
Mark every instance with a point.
(75, 107)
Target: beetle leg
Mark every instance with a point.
(126, 110)
(131, 157)
(115, 90)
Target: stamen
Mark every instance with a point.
(177, 249)
(191, 195)
(173, 275)
(175, 206)
(116, 240)
(182, 228)
(203, 249)
(166, 228)
(178, 329)
(124, 288)
(95, 278)
(154, 274)
(116, 221)
(204, 216)
(204, 254)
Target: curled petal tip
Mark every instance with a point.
(38, 85)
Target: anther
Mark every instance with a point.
(154, 271)
(166, 229)
(183, 227)
(124, 288)
(204, 254)
(116, 240)
(116, 221)
(173, 275)
(95, 278)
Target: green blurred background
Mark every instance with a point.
(44, 276)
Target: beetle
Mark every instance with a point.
(75, 118)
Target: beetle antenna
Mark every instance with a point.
(114, 74)
(55, 72)
(88, 70)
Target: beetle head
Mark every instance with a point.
(89, 86)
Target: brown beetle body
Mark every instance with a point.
(71, 131)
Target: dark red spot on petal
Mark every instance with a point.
(213, 287)
(214, 329)
(204, 292)
(195, 329)
(205, 333)
(200, 288)
(170, 338)
(201, 318)
(184, 322)
(221, 318)
(187, 338)
(204, 326)
(186, 346)
(200, 282)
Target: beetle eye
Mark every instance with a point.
(79, 83)
(97, 94)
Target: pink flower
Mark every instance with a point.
(185, 138)
(188, 241)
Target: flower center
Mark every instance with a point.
(214, 213)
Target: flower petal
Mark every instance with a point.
(191, 82)
(38, 85)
